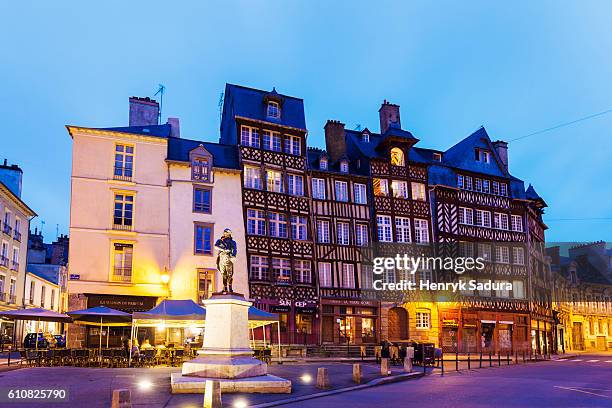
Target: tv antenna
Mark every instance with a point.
(160, 90)
(220, 106)
(42, 226)
(358, 127)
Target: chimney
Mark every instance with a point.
(389, 113)
(143, 111)
(175, 128)
(11, 176)
(501, 148)
(335, 141)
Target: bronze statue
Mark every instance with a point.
(225, 259)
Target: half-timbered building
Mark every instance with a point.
(270, 131)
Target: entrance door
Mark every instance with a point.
(398, 324)
(601, 343)
(328, 329)
(577, 336)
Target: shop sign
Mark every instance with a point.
(450, 323)
(280, 309)
(124, 303)
(75, 276)
(306, 310)
(351, 302)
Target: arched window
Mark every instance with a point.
(273, 110)
(397, 157)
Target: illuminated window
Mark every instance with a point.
(397, 157)
(418, 191)
(399, 188)
(274, 181)
(205, 283)
(252, 177)
(381, 187)
(281, 268)
(423, 319)
(122, 262)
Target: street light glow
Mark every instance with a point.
(240, 403)
(306, 378)
(145, 385)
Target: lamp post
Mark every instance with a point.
(165, 280)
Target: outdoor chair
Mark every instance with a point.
(119, 358)
(65, 357)
(267, 355)
(28, 357)
(107, 357)
(378, 353)
(177, 358)
(148, 357)
(80, 357)
(394, 354)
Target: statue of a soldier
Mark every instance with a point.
(225, 259)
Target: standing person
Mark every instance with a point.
(225, 259)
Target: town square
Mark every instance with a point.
(306, 204)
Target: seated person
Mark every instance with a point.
(146, 345)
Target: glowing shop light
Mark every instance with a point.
(306, 378)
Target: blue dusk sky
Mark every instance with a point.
(514, 67)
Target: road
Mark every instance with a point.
(584, 381)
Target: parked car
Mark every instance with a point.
(30, 341)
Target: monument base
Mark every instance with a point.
(269, 384)
(228, 367)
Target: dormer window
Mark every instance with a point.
(482, 155)
(397, 157)
(200, 169)
(323, 163)
(273, 110)
(344, 167)
(365, 137)
(437, 157)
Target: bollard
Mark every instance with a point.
(212, 394)
(442, 364)
(508, 358)
(490, 360)
(357, 373)
(121, 399)
(9, 357)
(480, 359)
(498, 358)
(322, 378)
(408, 364)
(456, 360)
(523, 356)
(384, 367)
(469, 363)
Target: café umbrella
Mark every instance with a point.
(101, 316)
(36, 314)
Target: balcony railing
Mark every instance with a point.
(15, 266)
(2, 297)
(122, 227)
(17, 236)
(122, 275)
(7, 229)
(4, 261)
(12, 299)
(122, 174)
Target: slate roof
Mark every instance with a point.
(48, 272)
(224, 156)
(152, 130)
(250, 103)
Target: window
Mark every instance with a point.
(299, 227)
(502, 293)
(421, 231)
(271, 141)
(323, 231)
(12, 290)
(122, 262)
(200, 169)
(202, 200)
(361, 234)
(43, 292)
(482, 218)
(367, 276)
(124, 162)
(518, 256)
(52, 299)
(500, 221)
(344, 166)
(325, 275)
(274, 181)
(423, 319)
(343, 233)
(293, 145)
(466, 249)
(468, 182)
(484, 251)
(348, 275)
(15, 264)
(437, 157)
(278, 225)
(17, 229)
(32, 289)
(203, 239)
(249, 136)
(460, 181)
(418, 191)
(503, 189)
(273, 110)
(399, 188)
(383, 223)
(4, 255)
(502, 254)
(359, 190)
(517, 223)
(323, 163)
(341, 191)
(124, 211)
(205, 283)
(381, 187)
(402, 229)
(397, 157)
(2, 278)
(259, 267)
(295, 184)
(486, 186)
(281, 268)
(478, 185)
(256, 222)
(482, 155)
(518, 289)
(365, 137)
(252, 177)
(466, 216)
(302, 271)
(495, 189)
(318, 188)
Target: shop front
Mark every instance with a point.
(298, 321)
(542, 335)
(350, 321)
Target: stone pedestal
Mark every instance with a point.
(226, 355)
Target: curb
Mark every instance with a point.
(372, 383)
